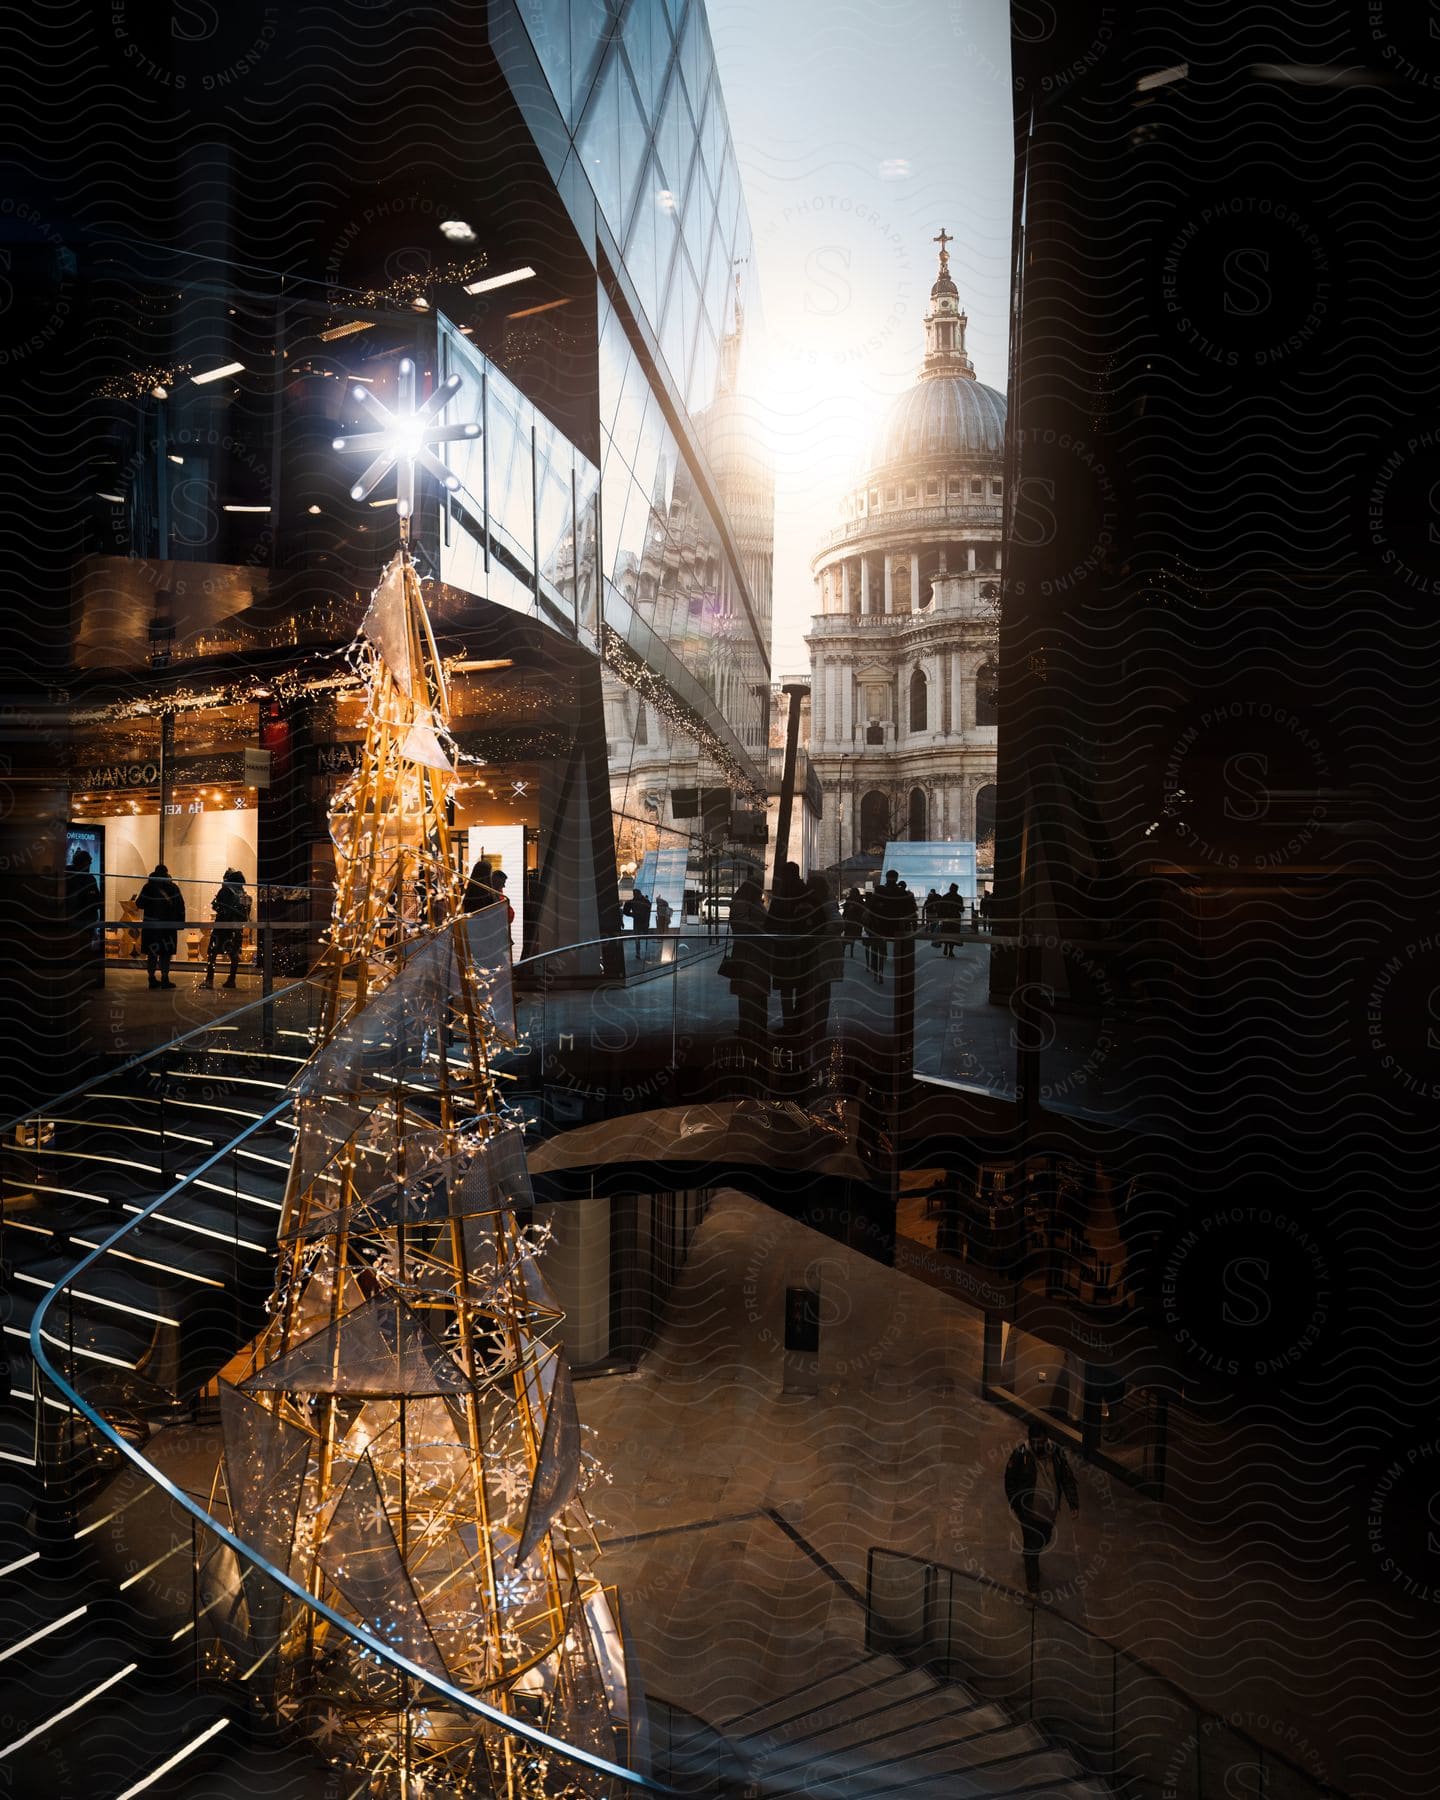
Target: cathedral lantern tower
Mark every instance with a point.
(903, 641)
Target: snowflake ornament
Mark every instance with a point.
(403, 439)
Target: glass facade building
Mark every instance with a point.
(567, 234)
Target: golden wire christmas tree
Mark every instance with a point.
(402, 1438)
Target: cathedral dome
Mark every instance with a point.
(950, 416)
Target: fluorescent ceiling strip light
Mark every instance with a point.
(205, 1736)
(43, 1632)
(492, 282)
(147, 1263)
(124, 1306)
(95, 1524)
(22, 1561)
(230, 368)
(231, 507)
(75, 1705)
(220, 1237)
(149, 1568)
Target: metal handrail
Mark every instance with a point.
(1028, 1603)
(382, 1652)
(221, 1024)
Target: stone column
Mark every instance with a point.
(864, 583)
(845, 585)
(889, 584)
(914, 581)
(970, 556)
(847, 709)
(947, 686)
(964, 711)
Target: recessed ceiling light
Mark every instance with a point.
(314, 509)
(177, 459)
(458, 231)
(160, 392)
(420, 304)
(114, 499)
(499, 281)
(230, 368)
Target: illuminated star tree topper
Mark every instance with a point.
(403, 439)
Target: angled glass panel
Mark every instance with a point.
(599, 144)
(614, 354)
(729, 200)
(630, 413)
(633, 139)
(718, 286)
(647, 46)
(676, 9)
(699, 219)
(645, 457)
(704, 368)
(549, 29)
(592, 29)
(675, 137)
(695, 55)
(641, 261)
(677, 333)
(715, 134)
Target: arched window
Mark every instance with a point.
(985, 814)
(987, 678)
(919, 816)
(919, 701)
(874, 822)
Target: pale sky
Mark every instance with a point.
(862, 127)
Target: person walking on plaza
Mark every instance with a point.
(162, 907)
(985, 910)
(930, 912)
(664, 912)
(853, 914)
(825, 963)
(1037, 1477)
(949, 919)
(790, 910)
(231, 907)
(892, 915)
(746, 964)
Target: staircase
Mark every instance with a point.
(864, 1727)
(95, 1698)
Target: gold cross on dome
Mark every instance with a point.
(942, 239)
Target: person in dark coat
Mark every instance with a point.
(986, 905)
(162, 907)
(790, 924)
(825, 961)
(853, 915)
(84, 908)
(930, 911)
(231, 907)
(480, 889)
(949, 918)
(746, 964)
(1037, 1477)
(891, 915)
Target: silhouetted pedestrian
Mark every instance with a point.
(790, 910)
(480, 889)
(825, 962)
(949, 918)
(1037, 1477)
(84, 908)
(853, 915)
(162, 907)
(231, 907)
(746, 964)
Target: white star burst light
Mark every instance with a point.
(403, 439)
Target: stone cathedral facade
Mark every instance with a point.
(902, 648)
